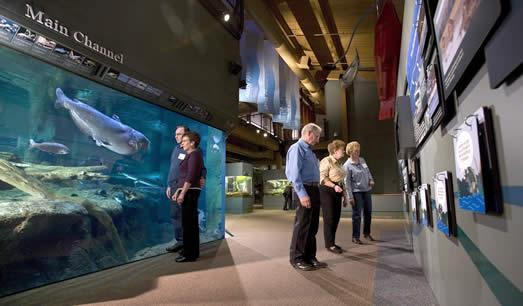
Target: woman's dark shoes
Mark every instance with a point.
(182, 258)
(334, 249)
(304, 266)
(357, 241)
(369, 237)
(317, 264)
(175, 247)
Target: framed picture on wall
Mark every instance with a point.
(414, 172)
(445, 210)
(469, 171)
(461, 26)
(425, 205)
(434, 106)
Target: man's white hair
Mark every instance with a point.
(310, 127)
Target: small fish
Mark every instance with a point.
(49, 147)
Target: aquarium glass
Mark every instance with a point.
(83, 172)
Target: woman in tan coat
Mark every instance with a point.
(332, 176)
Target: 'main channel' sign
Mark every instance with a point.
(78, 36)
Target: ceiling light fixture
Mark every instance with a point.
(226, 17)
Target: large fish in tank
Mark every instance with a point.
(105, 131)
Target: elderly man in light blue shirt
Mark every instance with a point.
(302, 169)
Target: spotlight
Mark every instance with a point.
(226, 17)
(264, 134)
(257, 131)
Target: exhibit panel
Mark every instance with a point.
(470, 168)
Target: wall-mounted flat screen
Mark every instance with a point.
(461, 27)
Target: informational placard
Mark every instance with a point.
(469, 167)
(446, 219)
(425, 207)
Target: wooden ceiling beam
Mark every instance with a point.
(331, 25)
(273, 6)
(304, 14)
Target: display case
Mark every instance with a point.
(238, 186)
(275, 187)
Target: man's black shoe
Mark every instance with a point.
(317, 264)
(174, 248)
(334, 249)
(303, 266)
(184, 259)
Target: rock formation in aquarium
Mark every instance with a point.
(26, 181)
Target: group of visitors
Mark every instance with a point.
(326, 184)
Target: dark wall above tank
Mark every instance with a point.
(176, 46)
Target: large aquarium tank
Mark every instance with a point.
(83, 171)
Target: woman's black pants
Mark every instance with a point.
(331, 209)
(191, 230)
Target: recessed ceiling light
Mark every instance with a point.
(226, 17)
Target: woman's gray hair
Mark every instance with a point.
(310, 127)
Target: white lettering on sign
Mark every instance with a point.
(78, 36)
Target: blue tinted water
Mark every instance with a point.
(127, 213)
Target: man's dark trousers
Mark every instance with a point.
(176, 218)
(303, 243)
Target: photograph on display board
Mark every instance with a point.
(414, 60)
(422, 28)
(468, 166)
(444, 203)
(420, 94)
(433, 101)
(414, 172)
(457, 42)
(414, 207)
(425, 206)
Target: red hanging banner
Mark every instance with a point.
(387, 46)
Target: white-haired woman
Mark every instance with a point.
(358, 184)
